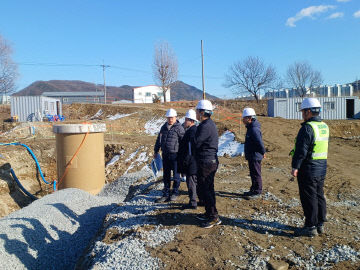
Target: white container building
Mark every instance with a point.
(332, 107)
(34, 108)
(145, 94)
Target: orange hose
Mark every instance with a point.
(69, 163)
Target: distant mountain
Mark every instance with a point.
(179, 89)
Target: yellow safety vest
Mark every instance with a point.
(321, 133)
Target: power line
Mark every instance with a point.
(55, 64)
(107, 66)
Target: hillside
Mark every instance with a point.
(179, 89)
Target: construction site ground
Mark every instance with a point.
(257, 229)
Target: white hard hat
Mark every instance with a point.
(309, 103)
(248, 112)
(171, 113)
(191, 114)
(204, 104)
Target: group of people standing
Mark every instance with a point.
(190, 149)
(193, 153)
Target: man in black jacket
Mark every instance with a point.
(206, 142)
(254, 152)
(186, 158)
(168, 140)
(309, 164)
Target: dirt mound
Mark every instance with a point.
(4, 112)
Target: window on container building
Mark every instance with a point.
(160, 94)
(298, 106)
(329, 106)
(148, 94)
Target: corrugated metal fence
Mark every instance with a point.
(332, 107)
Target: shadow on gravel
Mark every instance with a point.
(229, 194)
(55, 247)
(258, 226)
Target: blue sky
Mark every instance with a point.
(123, 34)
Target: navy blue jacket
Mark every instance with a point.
(206, 141)
(254, 146)
(186, 161)
(303, 151)
(168, 139)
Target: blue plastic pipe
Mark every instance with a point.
(21, 186)
(33, 156)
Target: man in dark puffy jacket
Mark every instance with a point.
(254, 152)
(186, 158)
(206, 142)
(168, 140)
(309, 164)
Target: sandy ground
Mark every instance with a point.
(253, 231)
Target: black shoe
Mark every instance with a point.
(163, 199)
(211, 223)
(254, 196)
(307, 231)
(188, 206)
(320, 229)
(248, 193)
(202, 217)
(201, 203)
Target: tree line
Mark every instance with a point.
(253, 76)
(250, 75)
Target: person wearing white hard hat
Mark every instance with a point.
(309, 164)
(206, 142)
(168, 140)
(186, 158)
(254, 151)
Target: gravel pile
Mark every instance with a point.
(135, 228)
(326, 258)
(119, 189)
(51, 233)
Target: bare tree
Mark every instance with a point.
(250, 75)
(302, 76)
(8, 69)
(165, 66)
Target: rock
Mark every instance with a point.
(278, 265)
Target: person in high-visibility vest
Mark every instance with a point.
(309, 164)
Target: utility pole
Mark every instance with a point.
(104, 66)
(202, 65)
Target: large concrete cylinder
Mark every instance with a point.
(87, 169)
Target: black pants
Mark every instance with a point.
(170, 164)
(311, 190)
(206, 175)
(255, 174)
(191, 181)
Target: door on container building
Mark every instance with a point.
(350, 108)
(58, 107)
(282, 108)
